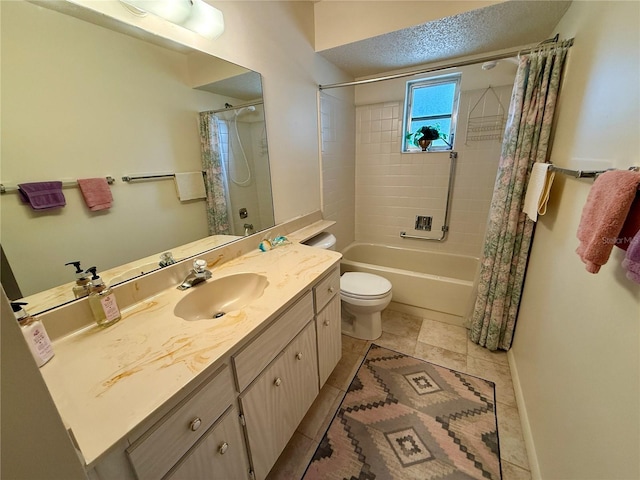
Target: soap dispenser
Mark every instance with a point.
(34, 333)
(102, 301)
(81, 288)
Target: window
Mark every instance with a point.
(431, 102)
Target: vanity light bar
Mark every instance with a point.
(194, 15)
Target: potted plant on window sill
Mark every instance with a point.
(425, 135)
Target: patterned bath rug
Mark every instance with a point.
(406, 419)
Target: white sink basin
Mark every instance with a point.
(217, 297)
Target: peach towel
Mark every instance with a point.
(604, 214)
(96, 193)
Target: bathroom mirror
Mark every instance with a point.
(80, 100)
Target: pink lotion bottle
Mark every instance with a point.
(34, 333)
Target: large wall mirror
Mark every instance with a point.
(80, 100)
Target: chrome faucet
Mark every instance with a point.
(197, 275)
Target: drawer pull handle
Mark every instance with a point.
(331, 290)
(223, 448)
(195, 424)
(326, 323)
(299, 355)
(277, 382)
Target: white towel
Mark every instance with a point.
(190, 186)
(535, 200)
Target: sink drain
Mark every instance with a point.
(218, 315)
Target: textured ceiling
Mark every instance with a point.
(506, 25)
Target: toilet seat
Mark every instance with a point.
(363, 286)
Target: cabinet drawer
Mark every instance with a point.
(276, 402)
(219, 455)
(259, 353)
(326, 289)
(166, 442)
(329, 332)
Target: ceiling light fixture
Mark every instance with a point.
(195, 15)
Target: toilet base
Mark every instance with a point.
(364, 327)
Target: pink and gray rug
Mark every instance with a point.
(406, 419)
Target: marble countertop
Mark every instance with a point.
(105, 382)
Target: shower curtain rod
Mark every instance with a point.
(465, 63)
(235, 107)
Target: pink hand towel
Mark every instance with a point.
(632, 259)
(42, 195)
(604, 214)
(96, 193)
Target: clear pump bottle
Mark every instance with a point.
(81, 288)
(102, 301)
(34, 333)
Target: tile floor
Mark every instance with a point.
(437, 342)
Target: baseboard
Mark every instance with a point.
(524, 419)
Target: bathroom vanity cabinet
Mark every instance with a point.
(235, 423)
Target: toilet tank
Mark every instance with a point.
(322, 240)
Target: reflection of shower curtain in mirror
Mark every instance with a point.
(215, 178)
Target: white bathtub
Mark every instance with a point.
(436, 281)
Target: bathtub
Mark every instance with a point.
(436, 281)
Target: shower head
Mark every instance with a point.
(242, 110)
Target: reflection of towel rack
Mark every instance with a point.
(151, 176)
(583, 173)
(70, 183)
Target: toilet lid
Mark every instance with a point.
(364, 284)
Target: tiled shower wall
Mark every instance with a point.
(256, 196)
(338, 166)
(393, 187)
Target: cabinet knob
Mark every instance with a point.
(223, 448)
(277, 382)
(331, 290)
(299, 355)
(195, 424)
(326, 323)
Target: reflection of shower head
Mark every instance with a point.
(242, 110)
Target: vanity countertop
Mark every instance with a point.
(105, 382)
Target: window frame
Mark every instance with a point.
(407, 120)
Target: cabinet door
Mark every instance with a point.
(275, 403)
(329, 331)
(219, 455)
(166, 442)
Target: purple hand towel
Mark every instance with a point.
(604, 214)
(632, 259)
(42, 195)
(96, 193)
(631, 225)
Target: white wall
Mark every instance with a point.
(576, 346)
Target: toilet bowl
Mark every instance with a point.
(363, 296)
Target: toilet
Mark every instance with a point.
(363, 296)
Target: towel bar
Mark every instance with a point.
(151, 176)
(583, 173)
(69, 183)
